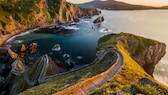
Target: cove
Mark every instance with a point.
(80, 43)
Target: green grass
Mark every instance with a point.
(56, 84)
(144, 89)
(107, 41)
(21, 84)
(22, 11)
(129, 40)
(32, 70)
(143, 44)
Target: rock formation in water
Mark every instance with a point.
(98, 20)
(145, 52)
(17, 15)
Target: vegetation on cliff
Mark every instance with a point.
(129, 79)
(146, 52)
(17, 15)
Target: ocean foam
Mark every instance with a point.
(104, 30)
(161, 71)
(21, 34)
(85, 21)
(73, 27)
(79, 57)
(18, 41)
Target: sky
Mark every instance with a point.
(137, 2)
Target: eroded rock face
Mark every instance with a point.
(53, 68)
(145, 51)
(151, 57)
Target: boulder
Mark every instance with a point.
(98, 20)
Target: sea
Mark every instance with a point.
(81, 44)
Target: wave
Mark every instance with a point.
(79, 57)
(18, 41)
(104, 30)
(73, 27)
(161, 71)
(85, 21)
(22, 34)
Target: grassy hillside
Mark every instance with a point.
(21, 11)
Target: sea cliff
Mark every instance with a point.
(19, 15)
(146, 52)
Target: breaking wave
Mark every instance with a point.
(21, 34)
(161, 71)
(104, 30)
(73, 27)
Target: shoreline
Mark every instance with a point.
(7, 37)
(4, 38)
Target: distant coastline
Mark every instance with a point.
(117, 5)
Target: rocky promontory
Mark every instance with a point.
(98, 20)
(140, 57)
(146, 52)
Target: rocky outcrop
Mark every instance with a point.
(146, 52)
(151, 56)
(53, 68)
(12, 54)
(98, 20)
(18, 67)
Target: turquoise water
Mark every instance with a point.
(80, 44)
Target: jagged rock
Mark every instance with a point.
(32, 48)
(145, 51)
(12, 54)
(146, 81)
(23, 48)
(149, 58)
(53, 68)
(98, 20)
(18, 67)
